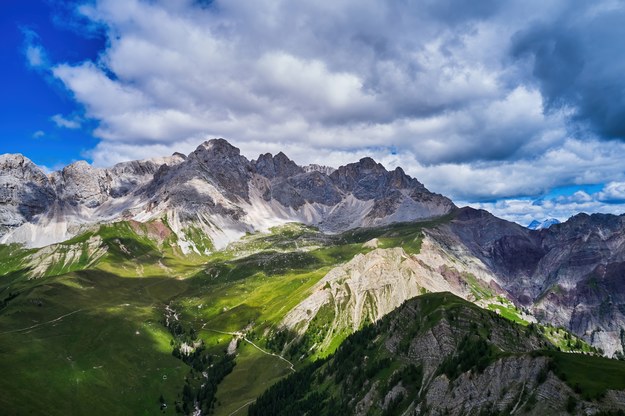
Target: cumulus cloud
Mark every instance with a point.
(479, 100)
(39, 134)
(613, 193)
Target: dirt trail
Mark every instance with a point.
(43, 323)
(59, 318)
(242, 336)
(242, 407)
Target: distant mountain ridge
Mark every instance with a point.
(214, 189)
(570, 274)
(539, 225)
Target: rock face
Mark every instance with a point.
(570, 274)
(214, 191)
(372, 285)
(25, 191)
(81, 184)
(327, 170)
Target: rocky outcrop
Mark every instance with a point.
(365, 289)
(504, 386)
(126, 177)
(57, 259)
(372, 285)
(276, 166)
(81, 184)
(326, 170)
(25, 191)
(439, 355)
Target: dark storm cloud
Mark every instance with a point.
(578, 63)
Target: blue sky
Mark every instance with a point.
(517, 107)
(30, 96)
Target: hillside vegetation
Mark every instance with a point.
(440, 355)
(119, 320)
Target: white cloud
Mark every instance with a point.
(36, 56)
(61, 121)
(613, 192)
(39, 134)
(341, 75)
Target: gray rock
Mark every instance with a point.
(326, 170)
(25, 191)
(570, 274)
(278, 165)
(81, 184)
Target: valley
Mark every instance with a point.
(102, 326)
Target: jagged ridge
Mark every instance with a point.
(214, 190)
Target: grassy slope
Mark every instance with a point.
(94, 352)
(590, 376)
(102, 358)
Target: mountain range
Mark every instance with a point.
(214, 189)
(209, 277)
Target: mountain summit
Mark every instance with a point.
(214, 189)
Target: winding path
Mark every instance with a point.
(242, 335)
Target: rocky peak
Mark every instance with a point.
(25, 190)
(366, 179)
(78, 167)
(367, 163)
(215, 179)
(276, 166)
(583, 226)
(81, 183)
(399, 179)
(285, 166)
(126, 177)
(468, 214)
(313, 167)
(221, 163)
(595, 220)
(216, 149)
(19, 166)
